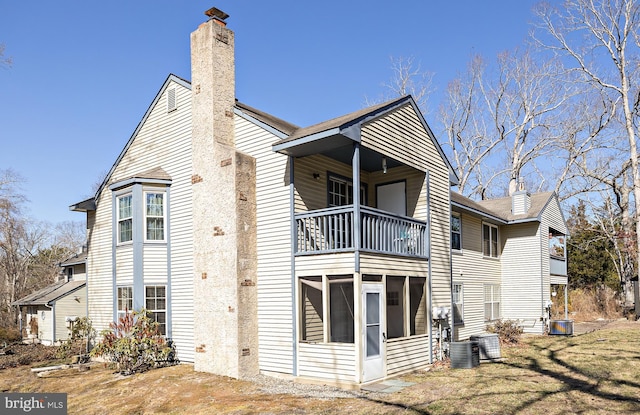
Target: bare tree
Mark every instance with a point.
(407, 78)
(601, 38)
(5, 62)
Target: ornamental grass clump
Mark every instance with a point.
(134, 344)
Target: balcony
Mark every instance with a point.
(331, 230)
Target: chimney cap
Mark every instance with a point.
(216, 13)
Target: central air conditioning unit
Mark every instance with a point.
(464, 355)
(489, 345)
(561, 327)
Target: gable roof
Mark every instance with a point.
(282, 128)
(50, 293)
(499, 210)
(76, 259)
(340, 131)
(90, 204)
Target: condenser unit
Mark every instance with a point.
(489, 345)
(561, 327)
(464, 355)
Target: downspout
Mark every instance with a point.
(430, 297)
(294, 249)
(452, 313)
(53, 323)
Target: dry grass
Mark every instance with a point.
(595, 373)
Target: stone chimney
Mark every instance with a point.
(224, 212)
(520, 199)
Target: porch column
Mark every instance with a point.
(355, 163)
(566, 301)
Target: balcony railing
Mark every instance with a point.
(332, 230)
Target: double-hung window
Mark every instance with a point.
(125, 218)
(456, 232)
(341, 191)
(125, 301)
(154, 216)
(489, 240)
(491, 302)
(156, 305)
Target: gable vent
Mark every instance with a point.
(171, 99)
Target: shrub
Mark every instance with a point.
(82, 335)
(9, 335)
(508, 331)
(134, 344)
(592, 303)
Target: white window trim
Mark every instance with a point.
(120, 312)
(459, 232)
(164, 215)
(118, 218)
(461, 302)
(157, 310)
(494, 288)
(484, 255)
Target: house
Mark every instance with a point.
(313, 253)
(47, 315)
(509, 260)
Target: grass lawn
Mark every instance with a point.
(595, 373)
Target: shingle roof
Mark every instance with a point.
(339, 121)
(501, 208)
(274, 122)
(50, 293)
(76, 259)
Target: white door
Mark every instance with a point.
(373, 337)
(392, 197)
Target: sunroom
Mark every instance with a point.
(360, 198)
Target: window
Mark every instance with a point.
(556, 244)
(125, 219)
(154, 214)
(491, 302)
(490, 240)
(341, 191)
(125, 300)
(70, 274)
(339, 308)
(458, 303)
(341, 311)
(156, 305)
(406, 309)
(456, 232)
(417, 306)
(311, 310)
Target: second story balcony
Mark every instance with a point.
(332, 230)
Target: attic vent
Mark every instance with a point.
(171, 99)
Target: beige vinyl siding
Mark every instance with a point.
(330, 361)
(407, 354)
(392, 265)
(401, 136)
(334, 264)
(522, 266)
(155, 263)
(275, 325)
(73, 304)
(473, 270)
(45, 326)
(124, 264)
(164, 140)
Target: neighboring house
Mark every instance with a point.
(47, 315)
(509, 257)
(258, 246)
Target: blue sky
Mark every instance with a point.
(84, 72)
